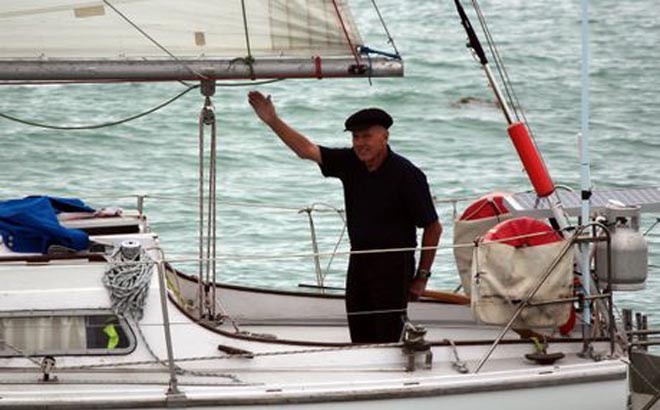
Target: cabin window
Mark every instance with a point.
(64, 334)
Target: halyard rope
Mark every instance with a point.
(102, 125)
(130, 118)
(249, 60)
(348, 37)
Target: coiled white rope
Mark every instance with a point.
(128, 279)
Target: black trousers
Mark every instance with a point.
(377, 287)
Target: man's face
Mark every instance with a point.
(370, 143)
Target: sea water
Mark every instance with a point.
(445, 122)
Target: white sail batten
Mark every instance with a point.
(38, 38)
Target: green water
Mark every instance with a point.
(463, 148)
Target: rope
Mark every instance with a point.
(348, 38)
(156, 43)
(102, 125)
(164, 363)
(514, 102)
(235, 355)
(200, 204)
(249, 60)
(496, 57)
(641, 375)
(207, 117)
(21, 352)
(128, 282)
(657, 221)
(390, 40)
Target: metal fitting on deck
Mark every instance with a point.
(414, 344)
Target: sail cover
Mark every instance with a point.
(31, 225)
(50, 35)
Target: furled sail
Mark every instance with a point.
(174, 39)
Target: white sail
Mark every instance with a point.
(47, 35)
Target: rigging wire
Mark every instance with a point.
(499, 64)
(390, 39)
(512, 97)
(657, 221)
(249, 60)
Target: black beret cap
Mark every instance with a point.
(366, 118)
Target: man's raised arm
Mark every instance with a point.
(297, 142)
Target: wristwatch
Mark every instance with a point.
(423, 274)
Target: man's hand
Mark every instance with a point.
(417, 287)
(262, 106)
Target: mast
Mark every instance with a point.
(585, 162)
(527, 151)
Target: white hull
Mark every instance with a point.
(288, 351)
(493, 391)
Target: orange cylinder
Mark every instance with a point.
(531, 159)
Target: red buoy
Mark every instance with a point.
(531, 159)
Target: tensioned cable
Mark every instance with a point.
(657, 221)
(153, 40)
(249, 60)
(348, 38)
(354, 252)
(499, 64)
(390, 39)
(504, 75)
(179, 198)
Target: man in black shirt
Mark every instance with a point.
(386, 198)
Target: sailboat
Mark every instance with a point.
(112, 324)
